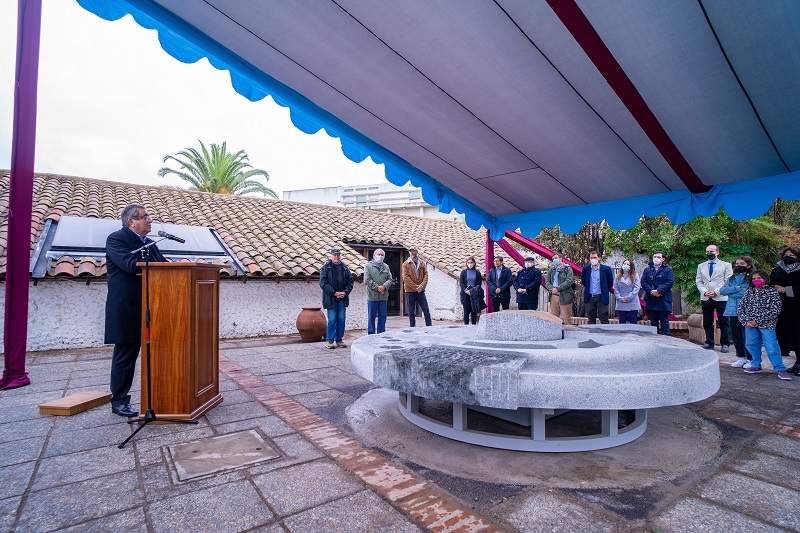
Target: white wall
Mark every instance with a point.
(66, 313)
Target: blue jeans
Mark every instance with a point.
(376, 309)
(755, 336)
(336, 318)
(628, 316)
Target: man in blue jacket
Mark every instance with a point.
(499, 280)
(336, 282)
(527, 284)
(657, 282)
(597, 281)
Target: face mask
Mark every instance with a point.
(594, 262)
(711, 256)
(556, 262)
(471, 265)
(625, 268)
(379, 259)
(758, 283)
(740, 269)
(528, 265)
(789, 260)
(656, 261)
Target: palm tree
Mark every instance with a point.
(218, 171)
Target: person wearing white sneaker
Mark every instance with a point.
(734, 288)
(758, 311)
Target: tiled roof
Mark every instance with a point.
(271, 238)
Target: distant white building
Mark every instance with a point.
(385, 197)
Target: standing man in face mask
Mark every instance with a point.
(499, 282)
(415, 279)
(597, 281)
(378, 279)
(559, 281)
(657, 281)
(336, 283)
(527, 284)
(711, 276)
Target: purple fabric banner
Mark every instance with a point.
(20, 202)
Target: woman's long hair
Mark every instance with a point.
(631, 272)
(747, 259)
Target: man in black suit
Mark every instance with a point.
(124, 302)
(499, 280)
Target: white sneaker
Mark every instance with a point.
(739, 363)
(748, 364)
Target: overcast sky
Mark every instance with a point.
(112, 103)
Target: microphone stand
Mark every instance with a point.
(150, 414)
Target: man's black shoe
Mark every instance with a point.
(124, 410)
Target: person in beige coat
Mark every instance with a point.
(711, 276)
(415, 278)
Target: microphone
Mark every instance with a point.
(170, 237)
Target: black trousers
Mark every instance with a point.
(660, 319)
(737, 336)
(470, 315)
(123, 366)
(596, 307)
(497, 303)
(527, 306)
(709, 306)
(412, 299)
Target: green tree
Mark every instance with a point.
(684, 245)
(218, 171)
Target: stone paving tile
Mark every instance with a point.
(229, 508)
(299, 487)
(766, 501)
(271, 367)
(30, 399)
(22, 451)
(307, 364)
(93, 418)
(16, 479)
(269, 528)
(66, 441)
(314, 400)
(133, 521)
(227, 384)
(8, 512)
(793, 418)
(271, 426)
(223, 413)
(231, 397)
(161, 482)
(779, 445)
(363, 511)
(74, 467)
(99, 382)
(760, 411)
(20, 412)
(301, 387)
(693, 515)
(336, 378)
(34, 387)
(780, 470)
(95, 498)
(550, 511)
(280, 379)
(150, 450)
(295, 449)
(25, 429)
(51, 372)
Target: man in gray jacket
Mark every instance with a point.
(378, 279)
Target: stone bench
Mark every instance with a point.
(512, 366)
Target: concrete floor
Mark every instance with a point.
(341, 458)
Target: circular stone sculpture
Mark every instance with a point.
(536, 377)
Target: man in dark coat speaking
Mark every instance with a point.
(124, 302)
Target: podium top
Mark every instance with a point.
(179, 264)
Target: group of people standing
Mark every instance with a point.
(499, 281)
(336, 282)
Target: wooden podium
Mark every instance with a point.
(184, 339)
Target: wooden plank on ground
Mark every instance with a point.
(77, 403)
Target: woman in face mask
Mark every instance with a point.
(626, 293)
(471, 292)
(734, 289)
(786, 279)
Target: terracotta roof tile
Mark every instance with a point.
(271, 238)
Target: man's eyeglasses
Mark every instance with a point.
(143, 217)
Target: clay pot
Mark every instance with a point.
(311, 323)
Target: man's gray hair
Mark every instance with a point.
(131, 211)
